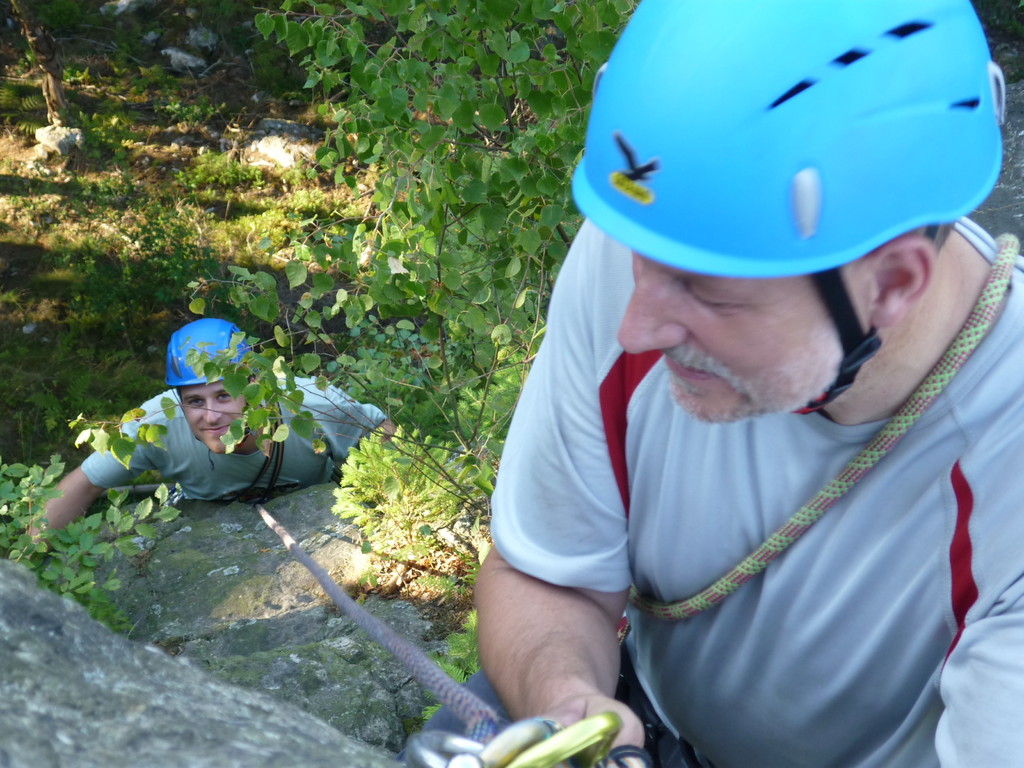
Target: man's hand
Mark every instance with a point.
(386, 430)
(551, 651)
(579, 708)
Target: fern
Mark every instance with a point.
(23, 105)
(461, 659)
(396, 496)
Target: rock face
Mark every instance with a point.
(75, 695)
(218, 588)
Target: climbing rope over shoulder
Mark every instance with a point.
(491, 743)
(974, 329)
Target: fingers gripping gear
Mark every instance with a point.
(530, 743)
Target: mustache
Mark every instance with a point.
(690, 357)
(699, 361)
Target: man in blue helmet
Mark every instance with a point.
(201, 412)
(775, 417)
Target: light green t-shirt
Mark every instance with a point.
(202, 474)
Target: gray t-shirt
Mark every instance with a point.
(202, 474)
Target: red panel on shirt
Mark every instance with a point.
(615, 393)
(965, 591)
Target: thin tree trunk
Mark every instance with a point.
(47, 53)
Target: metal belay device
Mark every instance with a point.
(490, 742)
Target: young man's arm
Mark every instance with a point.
(79, 493)
(550, 651)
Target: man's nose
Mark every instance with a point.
(653, 318)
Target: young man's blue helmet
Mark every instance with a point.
(209, 335)
(763, 139)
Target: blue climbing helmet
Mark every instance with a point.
(209, 335)
(762, 139)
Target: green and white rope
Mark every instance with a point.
(973, 331)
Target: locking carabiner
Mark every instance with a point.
(587, 742)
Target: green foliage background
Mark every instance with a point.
(469, 117)
(67, 560)
(451, 127)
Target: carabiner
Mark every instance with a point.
(500, 751)
(587, 741)
(437, 749)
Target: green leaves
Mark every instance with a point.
(492, 116)
(264, 307)
(309, 363)
(235, 382)
(296, 272)
(66, 560)
(328, 52)
(458, 125)
(122, 447)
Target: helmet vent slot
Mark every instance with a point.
(800, 87)
(901, 32)
(849, 57)
(966, 104)
(906, 30)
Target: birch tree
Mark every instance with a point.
(47, 54)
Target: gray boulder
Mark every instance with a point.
(218, 587)
(56, 139)
(183, 61)
(75, 695)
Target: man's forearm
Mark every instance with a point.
(549, 650)
(78, 494)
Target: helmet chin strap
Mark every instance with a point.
(858, 346)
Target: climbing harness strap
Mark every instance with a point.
(975, 328)
(257, 495)
(254, 493)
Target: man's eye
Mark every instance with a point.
(714, 303)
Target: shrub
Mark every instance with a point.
(60, 15)
(400, 494)
(460, 660)
(66, 560)
(215, 169)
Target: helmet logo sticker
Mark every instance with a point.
(630, 181)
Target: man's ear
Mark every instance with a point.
(895, 277)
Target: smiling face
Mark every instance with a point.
(209, 410)
(736, 348)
